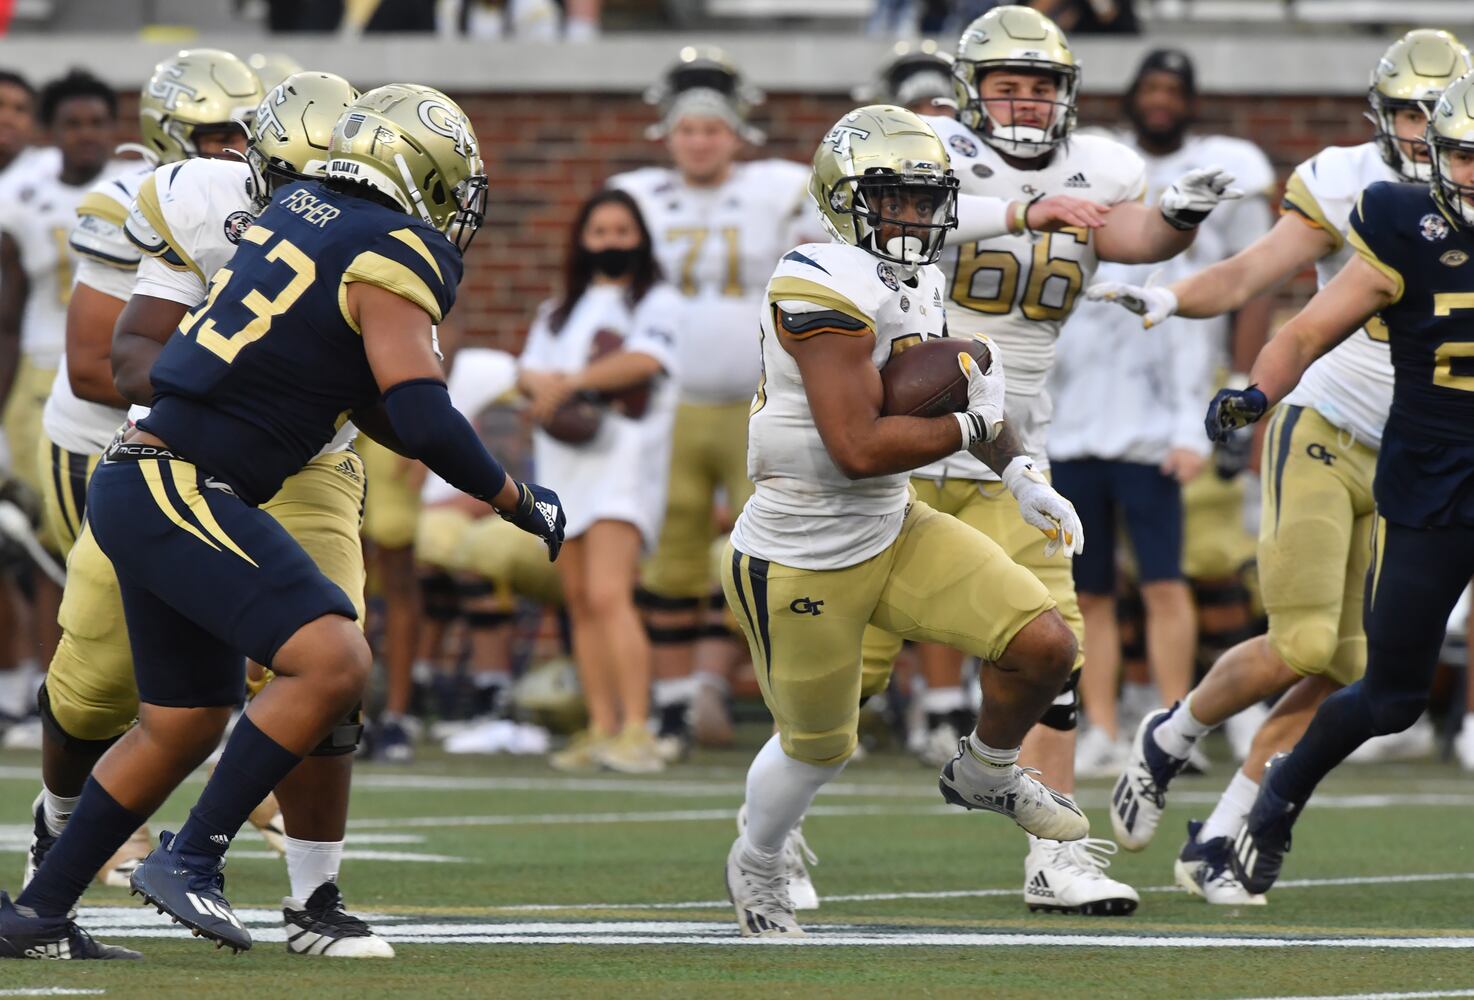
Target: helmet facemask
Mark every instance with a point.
(1026, 142)
(1383, 117)
(1455, 198)
(908, 243)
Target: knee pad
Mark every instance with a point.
(344, 738)
(488, 619)
(1064, 714)
(679, 635)
(440, 597)
(648, 600)
(1307, 643)
(821, 750)
(68, 742)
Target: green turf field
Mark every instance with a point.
(499, 877)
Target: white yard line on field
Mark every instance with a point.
(1424, 995)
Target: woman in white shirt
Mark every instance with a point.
(612, 485)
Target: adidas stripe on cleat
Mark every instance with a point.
(1203, 869)
(323, 926)
(1031, 804)
(24, 935)
(1259, 849)
(192, 896)
(759, 894)
(1070, 878)
(1140, 794)
(796, 860)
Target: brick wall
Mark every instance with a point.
(545, 152)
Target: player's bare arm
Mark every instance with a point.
(143, 327)
(1338, 310)
(14, 286)
(397, 341)
(91, 316)
(844, 392)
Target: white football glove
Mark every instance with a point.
(985, 391)
(1044, 508)
(1153, 303)
(1196, 193)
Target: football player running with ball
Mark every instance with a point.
(327, 307)
(1017, 81)
(1319, 457)
(832, 541)
(1412, 245)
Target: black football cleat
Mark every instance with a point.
(26, 935)
(192, 896)
(1259, 849)
(323, 926)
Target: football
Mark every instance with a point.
(925, 380)
(576, 421)
(631, 402)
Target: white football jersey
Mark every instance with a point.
(107, 262)
(1016, 290)
(1351, 386)
(39, 211)
(717, 247)
(1155, 387)
(805, 512)
(187, 219)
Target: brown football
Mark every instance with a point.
(925, 380)
(631, 402)
(576, 421)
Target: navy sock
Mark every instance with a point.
(1341, 724)
(97, 828)
(251, 765)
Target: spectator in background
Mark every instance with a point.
(614, 483)
(1099, 17)
(916, 78)
(1127, 433)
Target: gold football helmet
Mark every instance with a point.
(871, 155)
(196, 89)
(292, 126)
(1023, 40)
(916, 73)
(704, 81)
(272, 67)
(1451, 133)
(1411, 74)
(417, 147)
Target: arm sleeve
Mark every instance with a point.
(105, 278)
(160, 280)
(979, 217)
(437, 434)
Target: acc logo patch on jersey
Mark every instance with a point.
(963, 145)
(1433, 227)
(887, 274)
(236, 224)
(1453, 258)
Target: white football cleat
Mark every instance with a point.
(322, 926)
(1070, 878)
(1140, 794)
(759, 894)
(1099, 756)
(1031, 804)
(796, 858)
(1203, 869)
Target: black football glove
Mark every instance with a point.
(539, 512)
(1232, 409)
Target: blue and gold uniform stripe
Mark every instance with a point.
(755, 572)
(178, 496)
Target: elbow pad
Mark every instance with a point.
(437, 434)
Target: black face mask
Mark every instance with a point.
(612, 262)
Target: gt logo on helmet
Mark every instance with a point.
(266, 115)
(841, 136)
(443, 121)
(170, 91)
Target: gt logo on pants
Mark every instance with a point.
(805, 606)
(1320, 453)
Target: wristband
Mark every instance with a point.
(974, 429)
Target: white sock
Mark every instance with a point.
(985, 765)
(1232, 809)
(940, 701)
(310, 863)
(779, 791)
(18, 690)
(57, 809)
(1178, 734)
(673, 691)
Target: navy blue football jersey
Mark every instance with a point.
(261, 376)
(1425, 471)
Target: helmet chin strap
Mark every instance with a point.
(413, 189)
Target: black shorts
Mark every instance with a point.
(205, 579)
(1149, 502)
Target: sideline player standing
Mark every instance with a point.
(1017, 81)
(718, 225)
(1319, 457)
(832, 541)
(1412, 245)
